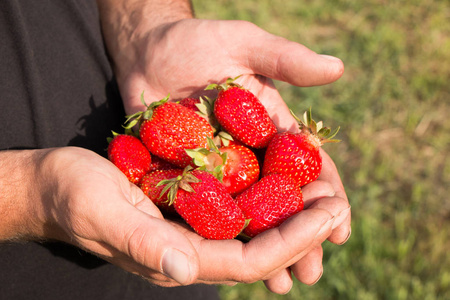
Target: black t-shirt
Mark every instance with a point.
(57, 89)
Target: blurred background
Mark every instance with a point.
(393, 106)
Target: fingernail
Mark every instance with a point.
(175, 264)
(341, 217)
(325, 227)
(318, 278)
(347, 238)
(289, 288)
(329, 57)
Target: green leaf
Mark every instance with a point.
(313, 126)
(164, 190)
(172, 195)
(212, 86)
(334, 133)
(191, 178)
(186, 186)
(324, 132)
(143, 100)
(211, 145)
(131, 124)
(218, 172)
(202, 109)
(319, 126)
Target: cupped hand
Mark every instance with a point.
(326, 193)
(89, 203)
(183, 57)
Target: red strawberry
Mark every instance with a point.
(242, 115)
(149, 185)
(203, 106)
(160, 164)
(190, 103)
(203, 202)
(269, 202)
(168, 128)
(241, 169)
(129, 154)
(236, 165)
(297, 154)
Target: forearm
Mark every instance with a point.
(19, 194)
(125, 22)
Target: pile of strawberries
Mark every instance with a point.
(220, 163)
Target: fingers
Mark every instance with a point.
(342, 229)
(238, 47)
(291, 241)
(280, 283)
(266, 254)
(280, 59)
(338, 205)
(317, 190)
(330, 173)
(309, 269)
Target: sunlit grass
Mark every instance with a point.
(393, 106)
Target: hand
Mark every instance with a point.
(181, 58)
(83, 199)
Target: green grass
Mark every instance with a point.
(393, 106)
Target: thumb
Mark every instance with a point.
(145, 244)
(278, 58)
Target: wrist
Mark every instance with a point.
(20, 217)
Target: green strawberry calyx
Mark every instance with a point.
(223, 138)
(206, 110)
(320, 134)
(230, 82)
(140, 116)
(114, 134)
(182, 181)
(209, 159)
(128, 131)
(205, 106)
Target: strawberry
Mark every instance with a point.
(190, 103)
(149, 185)
(241, 169)
(236, 166)
(168, 128)
(203, 202)
(269, 202)
(242, 115)
(203, 106)
(297, 154)
(131, 156)
(160, 164)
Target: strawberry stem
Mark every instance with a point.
(224, 86)
(140, 116)
(182, 181)
(308, 125)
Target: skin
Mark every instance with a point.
(54, 194)
(75, 196)
(175, 55)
